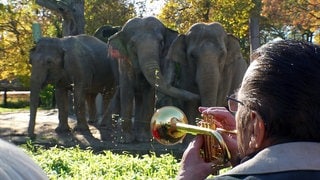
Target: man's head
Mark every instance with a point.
(281, 96)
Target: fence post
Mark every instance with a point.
(36, 32)
(5, 102)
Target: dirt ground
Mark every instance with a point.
(13, 128)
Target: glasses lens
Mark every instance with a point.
(232, 103)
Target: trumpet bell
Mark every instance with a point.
(169, 125)
(163, 127)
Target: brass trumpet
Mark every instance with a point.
(169, 126)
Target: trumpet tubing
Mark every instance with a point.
(169, 126)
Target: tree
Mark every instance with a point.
(254, 24)
(101, 12)
(233, 15)
(302, 17)
(81, 16)
(15, 20)
(72, 12)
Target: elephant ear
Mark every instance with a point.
(177, 51)
(236, 66)
(169, 36)
(117, 47)
(52, 44)
(233, 49)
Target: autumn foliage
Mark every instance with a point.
(297, 19)
(303, 14)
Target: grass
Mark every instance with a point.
(83, 164)
(75, 163)
(17, 106)
(15, 103)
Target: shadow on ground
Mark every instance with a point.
(13, 128)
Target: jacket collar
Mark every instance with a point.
(281, 157)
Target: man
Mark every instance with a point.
(277, 118)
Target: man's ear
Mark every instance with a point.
(258, 131)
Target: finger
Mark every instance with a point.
(196, 144)
(222, 117)
(231, 142)
(216, 166)
(215, 110)
(201, 109)
(213, 168)
(218, 124)
(226, 119)
(204, 109)
(228, 136)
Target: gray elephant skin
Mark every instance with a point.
(103, 33)
(211, 64)
(79, 63)
(140, 46)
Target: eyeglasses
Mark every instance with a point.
(233, 103)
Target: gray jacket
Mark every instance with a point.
(295, 160)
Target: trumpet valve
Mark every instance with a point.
(211, 149)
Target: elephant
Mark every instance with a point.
(75, 63)
(140, 46)
(211, 65)
(104, 32)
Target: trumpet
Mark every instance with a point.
(169, 126)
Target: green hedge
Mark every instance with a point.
(76, 163)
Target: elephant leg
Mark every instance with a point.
(123, 130)
(144, 109)
(34, 102)
(62, 103)
(71, 103)
(113, 108)
(91, 104)
(79, 105)
(191, 110)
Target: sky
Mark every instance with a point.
(153, 6)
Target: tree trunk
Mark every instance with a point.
(5, 102)
(254, 34)
(72, 12)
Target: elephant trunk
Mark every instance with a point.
(34, 102)
(151, 71)
(208, 83)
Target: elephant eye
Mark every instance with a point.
(161, 44)
(193, 55)
(161, 47)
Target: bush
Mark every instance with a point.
(76, 163)
(15, 105)
(47, 97)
